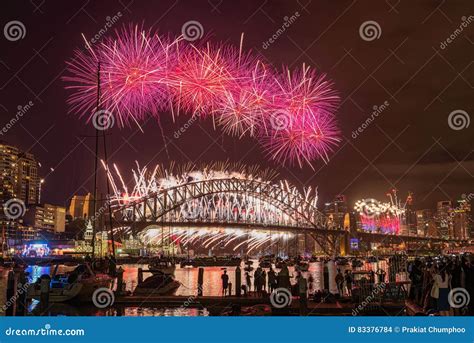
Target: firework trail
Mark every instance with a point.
(144, 73)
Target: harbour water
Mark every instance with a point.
(188, 277)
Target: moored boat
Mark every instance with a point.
(158, 284)
(78, 285)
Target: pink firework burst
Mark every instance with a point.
(136, 66)
(302, 128)
(248, 103)
(143, 74)
(83, 80)
(200, 79)
(304, 91)
(302, 139)
(133, 69)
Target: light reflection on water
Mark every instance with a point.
(188, 279)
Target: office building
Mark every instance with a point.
(19, 171)
(46, 216)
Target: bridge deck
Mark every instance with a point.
(373, 237)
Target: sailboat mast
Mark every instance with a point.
(96, 162)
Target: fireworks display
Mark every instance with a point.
(379, 216)
(221, 207)
(143, 73)
(210, 238)
(147, 182)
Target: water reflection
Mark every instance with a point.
(187, 277)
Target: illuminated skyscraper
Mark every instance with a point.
(425, 223)
(460, 219)
(19, 171)
(337, 210)
(46, 216)
(444, 220)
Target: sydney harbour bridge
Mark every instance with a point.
(221, 208)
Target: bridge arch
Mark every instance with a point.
(155, 206)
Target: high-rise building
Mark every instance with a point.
(46, 216)
(425, 223)
(8, 167)
(28, 179)
(410, 216)
(337, 210)
(444, 220)
(19, 171)
(460, 219)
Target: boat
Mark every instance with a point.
(77, 285)
(161, 266)
(158, 284)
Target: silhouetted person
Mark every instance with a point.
(248, 280)
(283, 278)
(349, 280)
(264, 280)
(271, 280)
(225, 282)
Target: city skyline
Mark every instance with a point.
(397, 215)
(36, 190)
(408, 136)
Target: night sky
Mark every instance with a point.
(409, 146)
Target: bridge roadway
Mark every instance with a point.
(364, 235)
